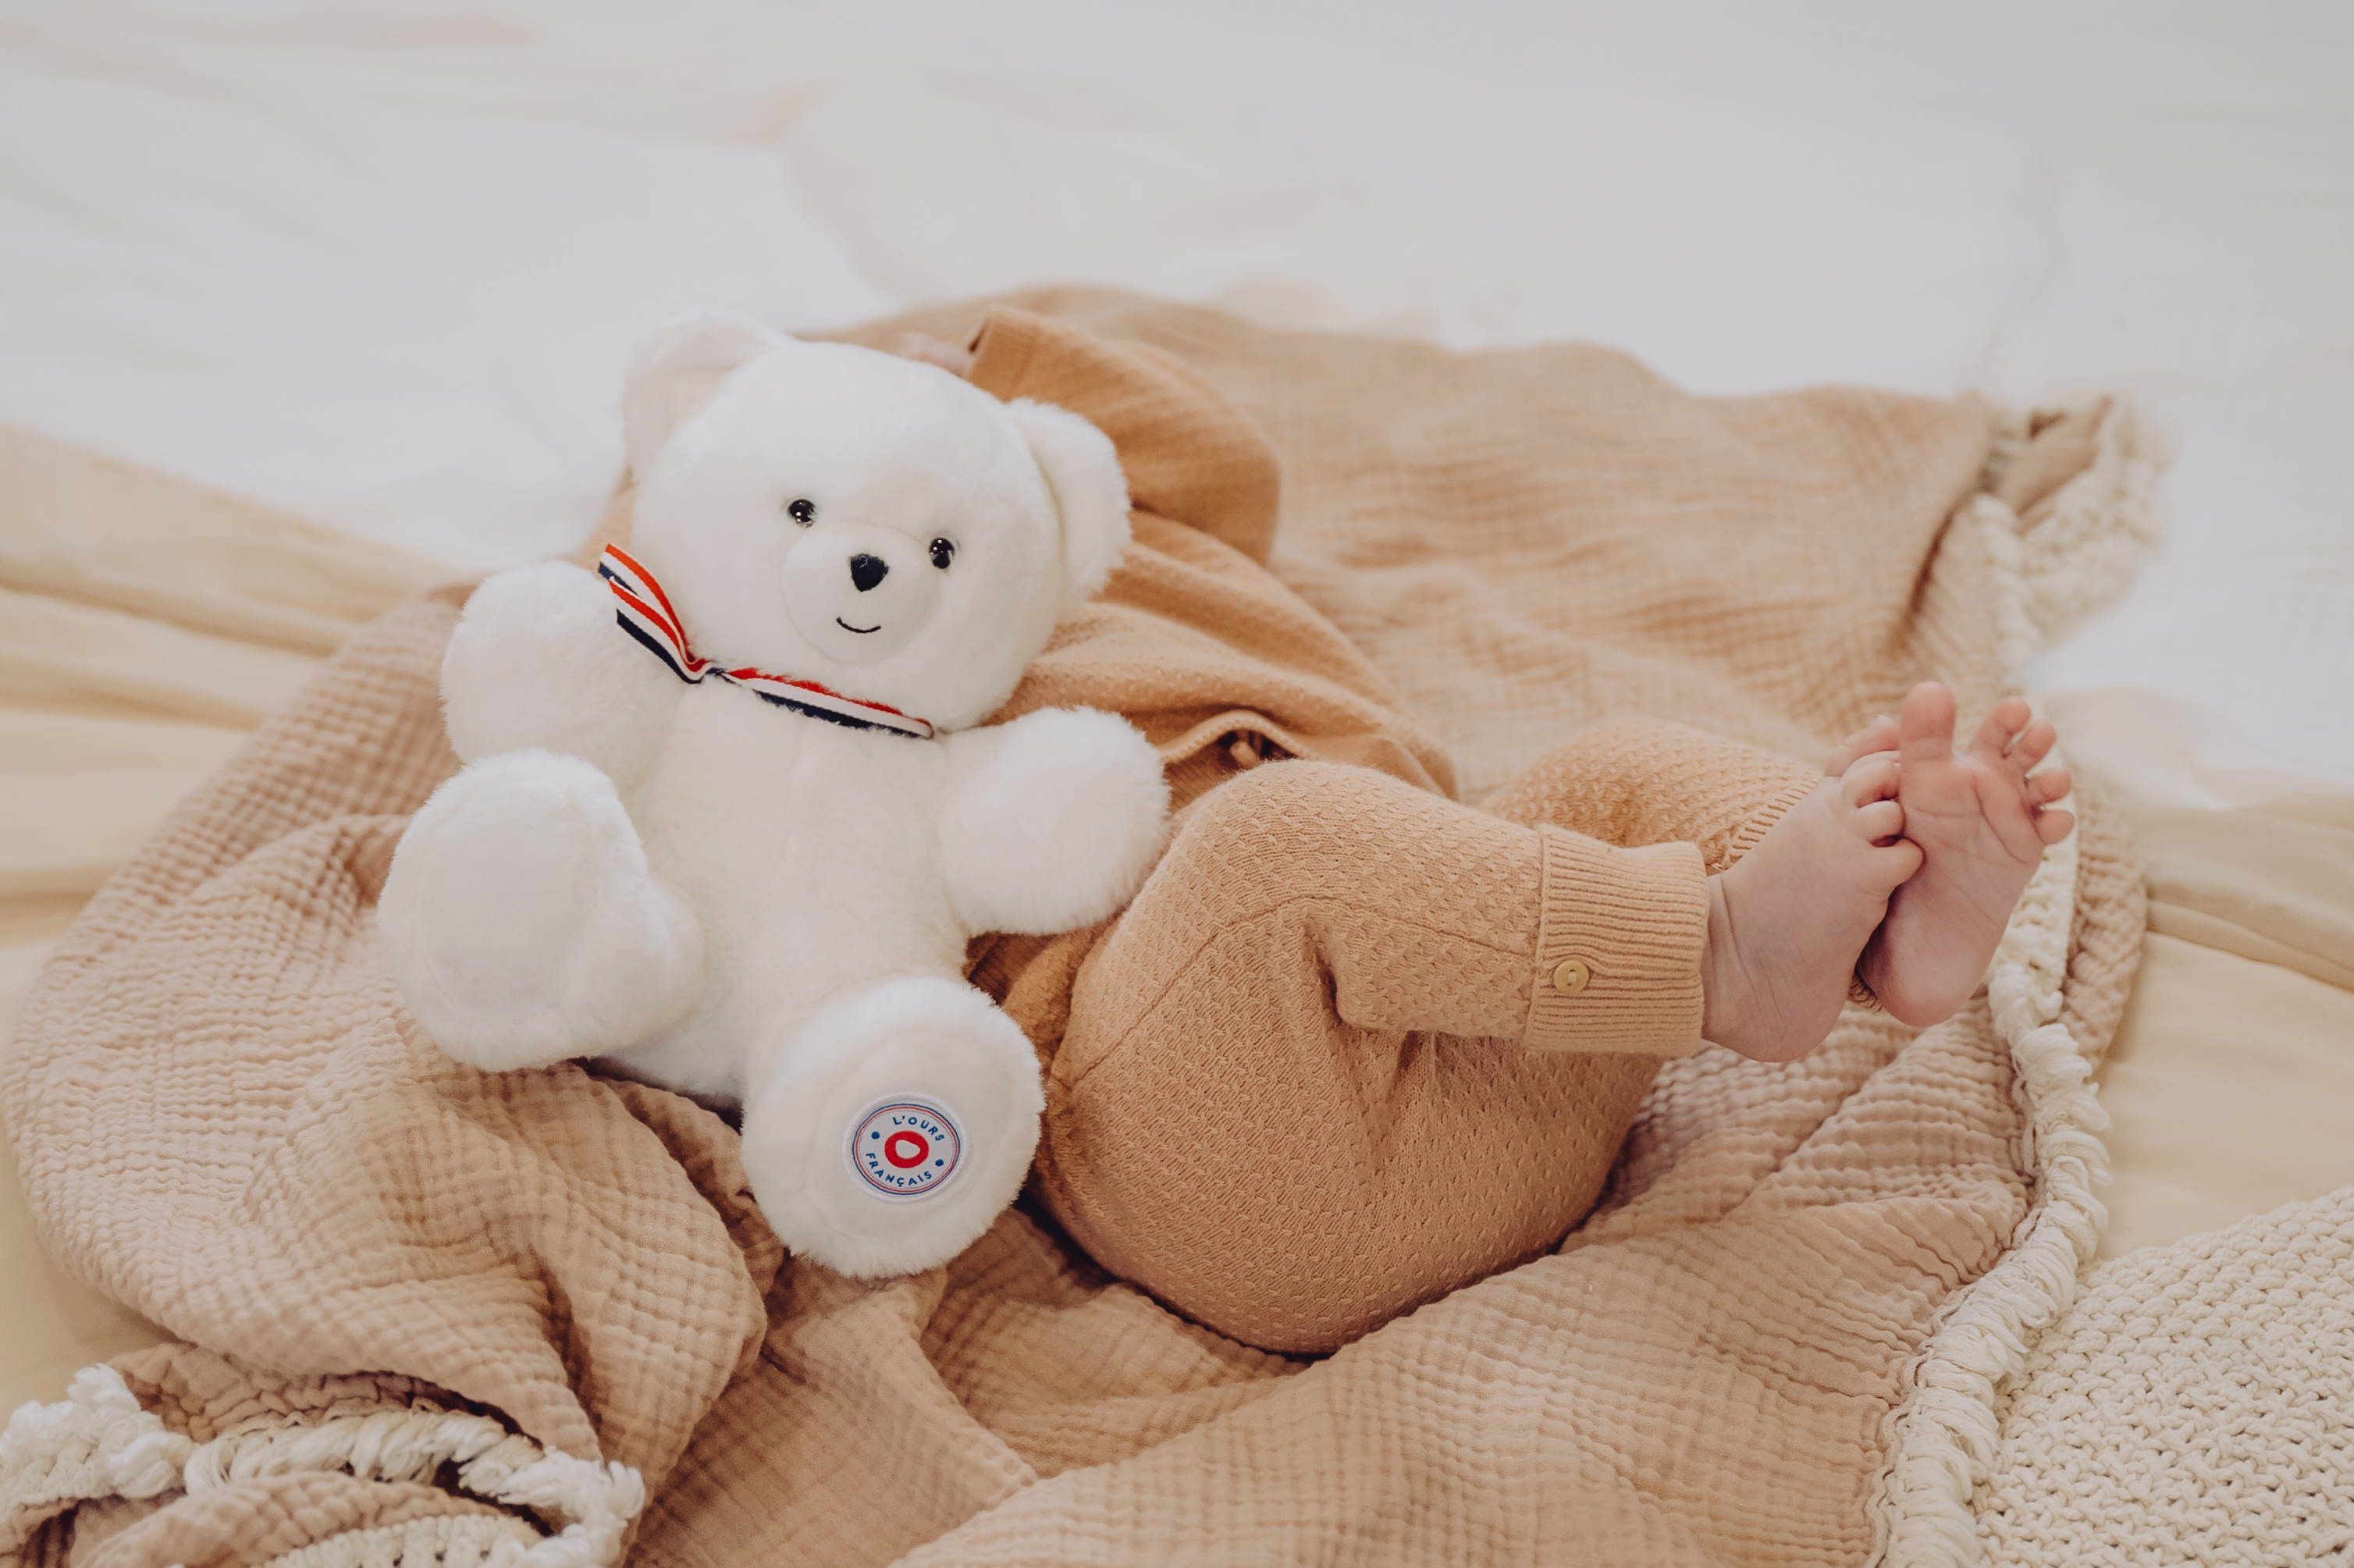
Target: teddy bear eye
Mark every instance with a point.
(803, 511)
(943, 551)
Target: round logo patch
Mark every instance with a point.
(906, 1148)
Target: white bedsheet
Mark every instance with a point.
(380, 262)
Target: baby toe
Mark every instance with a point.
(1925, 725)
(1880, 821)
(1880, 734)
(1993, 741)
(1874, 778)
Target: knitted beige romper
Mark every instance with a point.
(1355, 1043)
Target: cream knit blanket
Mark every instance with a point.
(2196, 1407)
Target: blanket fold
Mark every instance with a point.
(552, 1297)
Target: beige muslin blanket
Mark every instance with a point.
(434, 1315)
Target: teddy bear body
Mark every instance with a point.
(755, 875)
(886, 909)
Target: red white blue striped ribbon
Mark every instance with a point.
(645, 613)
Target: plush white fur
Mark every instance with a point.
(735, 899)
(1067, 788)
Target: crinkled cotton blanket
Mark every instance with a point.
(432, 1315)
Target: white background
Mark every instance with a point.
(379, 261)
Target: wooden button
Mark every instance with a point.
(1571, 975)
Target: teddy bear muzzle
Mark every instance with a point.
(859, 593)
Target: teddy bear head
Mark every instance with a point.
(831, 513)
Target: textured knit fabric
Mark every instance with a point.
(1331, 1005)
(2196, 1405)
(222, 1119)
(1323, 1004)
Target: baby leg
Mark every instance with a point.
(1356, 1045)
(1646, 781)
(520, 921)
(1802, 861)
(1297, 1095)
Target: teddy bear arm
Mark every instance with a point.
(1050, 821)
(538, 661)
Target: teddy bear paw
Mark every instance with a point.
(520, 924)
(894, 1126)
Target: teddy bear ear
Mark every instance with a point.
(678, 369)
(1090, 491)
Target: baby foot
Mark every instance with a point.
(1787, 919)
(1982, 824)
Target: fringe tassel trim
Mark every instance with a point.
(1941, 1440)
(100, 1443)
(446, 1541)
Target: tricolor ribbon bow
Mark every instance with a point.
(646, 614)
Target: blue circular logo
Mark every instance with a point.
(906, 1148)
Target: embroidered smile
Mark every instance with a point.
(862, 630)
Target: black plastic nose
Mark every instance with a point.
(865, 571)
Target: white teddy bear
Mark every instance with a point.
(724, 816)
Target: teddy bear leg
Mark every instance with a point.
(890, 1129)
(521, 923)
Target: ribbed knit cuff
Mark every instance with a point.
(1619, 946)
(1745, 837)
